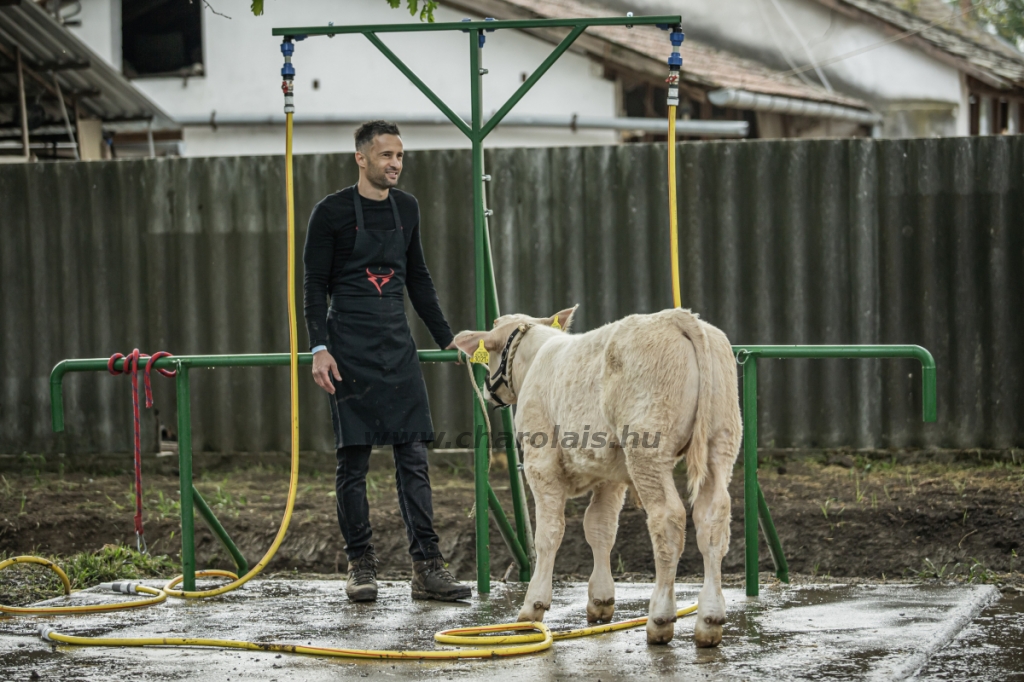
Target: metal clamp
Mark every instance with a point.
(742, 355)
(675, 65)
(288, 75)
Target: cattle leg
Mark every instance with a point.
(549, 497)
(600, 524)
(666, 521)
(711, 514)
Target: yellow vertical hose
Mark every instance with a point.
(673, 219)
(293, 346)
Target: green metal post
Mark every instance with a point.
(481, 445)
(188, 527)
(505, 528)
(520, 511)
(770, 534)
(750, 472)
(218, 530)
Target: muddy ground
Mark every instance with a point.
(839, 515)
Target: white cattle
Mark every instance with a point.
(614, 408)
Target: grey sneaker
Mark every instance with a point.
(431, 580)
(362, 578)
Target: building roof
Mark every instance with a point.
(48, 51)
(943, 31)
(646, 48)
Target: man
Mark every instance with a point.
(362, 247)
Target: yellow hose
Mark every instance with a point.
(673, 219)
(540, 639)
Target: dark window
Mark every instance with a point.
(162, 37)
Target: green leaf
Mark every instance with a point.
(257, 7)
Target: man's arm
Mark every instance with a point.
(317, 257)
(422, 293)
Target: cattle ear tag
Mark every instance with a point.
(555, 323)
(480, 355)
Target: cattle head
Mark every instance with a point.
(502, 343)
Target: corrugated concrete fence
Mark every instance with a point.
(848, 241)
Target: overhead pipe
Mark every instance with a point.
(571, 121)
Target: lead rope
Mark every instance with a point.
(483, 408)
(131, 363)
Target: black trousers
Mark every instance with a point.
(413, 484)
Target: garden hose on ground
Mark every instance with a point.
(538, 639)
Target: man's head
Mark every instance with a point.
(379, 153)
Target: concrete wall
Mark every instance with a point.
(846, 241)
(242, 78)
(918, 95)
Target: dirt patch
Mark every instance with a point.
(837, 516)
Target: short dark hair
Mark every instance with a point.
(371, 129)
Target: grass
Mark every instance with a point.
(24, 584)
(975, 572)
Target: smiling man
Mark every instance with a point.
(362, 249)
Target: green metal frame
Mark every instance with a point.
(755, 508)
(519, 539)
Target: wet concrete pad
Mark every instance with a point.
(798, 633)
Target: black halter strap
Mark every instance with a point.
(501, 377)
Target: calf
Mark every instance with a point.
(659, 388)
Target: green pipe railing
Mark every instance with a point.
(190, 498)
(755, 508)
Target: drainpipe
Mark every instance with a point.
(984, 115)
(756, 101)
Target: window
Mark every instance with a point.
(162, 37)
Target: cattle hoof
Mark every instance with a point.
(660, 633)
(600, 610)
(534, 614)
(707, 635)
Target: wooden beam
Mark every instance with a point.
(50, 66)
(22, 107)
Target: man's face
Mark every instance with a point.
(381, 161)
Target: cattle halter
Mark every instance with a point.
(502, 376)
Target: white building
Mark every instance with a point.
(219, 77)
(923, 65)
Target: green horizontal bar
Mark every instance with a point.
(211, 520)
(210, 361)
(928, 391)
(670, 19)
(505, 528)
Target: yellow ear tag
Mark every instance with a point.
(480, 355)
(555, 323)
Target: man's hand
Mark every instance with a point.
(458, 356)
(324, 367)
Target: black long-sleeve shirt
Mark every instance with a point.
(330, 240)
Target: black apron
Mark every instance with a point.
(381, 398)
